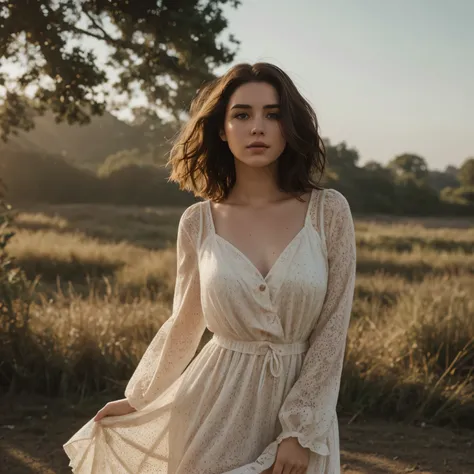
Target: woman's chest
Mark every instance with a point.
(299, 272)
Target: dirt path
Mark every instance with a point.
(31, 441)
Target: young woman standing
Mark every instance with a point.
(266, 261)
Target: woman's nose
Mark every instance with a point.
(257, 127)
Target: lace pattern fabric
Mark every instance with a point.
(271, 371)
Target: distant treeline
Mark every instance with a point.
(32, 177)
(404, 187)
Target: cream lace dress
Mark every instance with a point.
(271, 370)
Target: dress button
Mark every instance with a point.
(262, 287)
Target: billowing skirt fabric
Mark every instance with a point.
(219, 417)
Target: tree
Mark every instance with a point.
(166, 49)
(341, 159)
(451, 170)
(341, 168)
(466, 173)
(375, 188)
(378, 170)
(123, 159)
(409, 166)
(463, 195)
(442, 179)
(415, 197)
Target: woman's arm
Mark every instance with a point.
(310, 407)
(177, 340)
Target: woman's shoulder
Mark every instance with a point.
(192, 210)
(190, 220)
(335, 202)
(334, 211)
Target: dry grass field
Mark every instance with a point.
(106, 285)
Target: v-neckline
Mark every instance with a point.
(247, 259)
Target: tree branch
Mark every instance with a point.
(99, 27)
(69, 27)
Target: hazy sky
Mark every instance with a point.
(387, 77)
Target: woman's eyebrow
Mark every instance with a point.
(247, 106)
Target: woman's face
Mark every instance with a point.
(252, 126)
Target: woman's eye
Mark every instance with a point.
(244, 115)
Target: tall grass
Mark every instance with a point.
(105, 291)
(410, 352)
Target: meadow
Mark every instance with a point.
(102, 281)
(105, 281)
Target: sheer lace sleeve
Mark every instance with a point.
(309, 409)
(178, 338)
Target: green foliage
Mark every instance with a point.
(34, 177)
(403, 187)
(415, 197)
(136, 177)
(463, 195)
(11, 277)
(142, 185)
(466, 173)
(341, 159)
(8, 274)
(15, 300)
(375, 189)
(166, 51)
(86, 146)
(123, 159)
(409, 166)
(439, 180)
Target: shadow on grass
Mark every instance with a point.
(408, 244)
(385, 298)
(414, 272)
(152, 228)
(75, 270)
(385, 396)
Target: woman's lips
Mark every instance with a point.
(257, 149)
(258, 146)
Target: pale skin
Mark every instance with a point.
(255, 212)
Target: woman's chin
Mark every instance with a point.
(258, 161)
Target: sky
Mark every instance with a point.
(385, 77)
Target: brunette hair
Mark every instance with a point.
(203, 163)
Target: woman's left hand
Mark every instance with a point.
(291, 458)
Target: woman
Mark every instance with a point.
(266, 261)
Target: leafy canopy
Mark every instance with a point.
(163, 48)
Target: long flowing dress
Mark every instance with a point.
(270, 371)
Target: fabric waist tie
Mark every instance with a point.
(273, 352)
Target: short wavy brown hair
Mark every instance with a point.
(202, 163)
